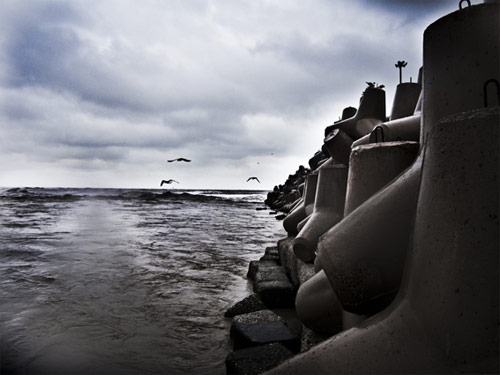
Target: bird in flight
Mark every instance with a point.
(168, 182)
(180, 159)
(253, 178)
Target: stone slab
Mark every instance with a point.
(254, 334)
(276, 293)
(247, 305)
(256, 360)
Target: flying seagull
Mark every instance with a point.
(168, 182)
(253, 178)
(180, 159)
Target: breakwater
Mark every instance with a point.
(390, 263)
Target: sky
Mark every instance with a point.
(102, 93)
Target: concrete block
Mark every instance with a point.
(304, 271)
(262, 327)
(371, 113)
(256, 360)
(247, 305)
(247, 335)
(318, 307)
(373, 166)
(405, 99)
(256, 266)
(276, 293)
(328, 210)
(309, 338)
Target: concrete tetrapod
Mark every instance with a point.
(309, 208)
(303, 209)
(338, 144)
(405, 100)
(403, 129)
(445, 318)
(371, 112)
(317, 159)
(318, 307)
(461, 55)
(303, 222)
(373, 166)
(363, 255)
(399, 128)
(328, 210)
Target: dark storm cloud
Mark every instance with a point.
(38, 44)
(52, 55)
(413, 10)
(113, 83)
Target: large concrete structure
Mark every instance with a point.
(421, 255)
(304, 208)
(371, 112)
(328, 210)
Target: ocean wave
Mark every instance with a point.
(39, 194)
(240, 197)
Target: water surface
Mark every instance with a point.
(124, 281)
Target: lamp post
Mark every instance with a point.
(401, 65)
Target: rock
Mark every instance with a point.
(271, 253)
(255, 360)
(309, 338)
(276, 274)
(262, 327)
(253, 266)
(304, 271)
(247, 305)
(288, 259)
(257, 317)
(261, 265)
(276, 293)
(272, 284)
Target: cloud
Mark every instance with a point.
(115, 86)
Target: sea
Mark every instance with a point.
(125, 281)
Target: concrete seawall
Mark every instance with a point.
(396, 268)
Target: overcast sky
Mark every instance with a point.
(102, 93)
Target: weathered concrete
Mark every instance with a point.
(301, 224)
(304, 271)
(405, 100)
(309, 338)
(338, 144)
(262, 327)
(256, 360)
(317, 159)
(328, 210)
(276, 292)
(363, 255)
(318, 307)
(288, 259)
(460, 51)
(271, 253)
(296, 215)
(247, 335)
(305, 208)
(256, 266)
(373, 166)
(271, 283)
(247, 305)
(404, 129)
(371, 112)
(445, 320)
